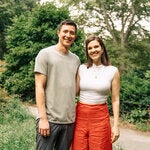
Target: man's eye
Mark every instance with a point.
(72, 33)
(65, 31)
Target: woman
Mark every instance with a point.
(95, 81)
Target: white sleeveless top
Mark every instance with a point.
(95, 83)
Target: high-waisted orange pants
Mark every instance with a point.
(92, 128)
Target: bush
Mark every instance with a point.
(27, 35)
(134, 97)
(135, 89)
(137, 116)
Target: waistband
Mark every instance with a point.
(82, 103)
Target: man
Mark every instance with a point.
(55, 73)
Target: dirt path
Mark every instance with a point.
(133, 140)
(129, 139)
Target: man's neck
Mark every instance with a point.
(62, 49)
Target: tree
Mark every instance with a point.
(118, 22)
(8, 10)
(28, 34)
(119, 19)
(141, 58)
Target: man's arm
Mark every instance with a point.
(40, 82)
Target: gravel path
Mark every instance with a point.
(133, 140)
(129, 139)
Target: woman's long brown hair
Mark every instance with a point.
(104, 57)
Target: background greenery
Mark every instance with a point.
(8, 10)
(25, 37)
(29, 27)
(17, 126)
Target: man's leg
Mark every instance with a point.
(65, 137)
(47, 143)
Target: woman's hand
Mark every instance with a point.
(115, 134)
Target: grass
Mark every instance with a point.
(2, 66)
(117, 147)
(143, 127)
(17, 126)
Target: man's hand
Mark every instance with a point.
(44, 127)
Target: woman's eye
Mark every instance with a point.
(96, 46)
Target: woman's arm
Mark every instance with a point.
(77, 83)
(116, 105)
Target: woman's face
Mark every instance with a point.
(95, 51)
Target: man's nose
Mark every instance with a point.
(68, 34)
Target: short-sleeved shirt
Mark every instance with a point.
(95, 83)
(60, 70)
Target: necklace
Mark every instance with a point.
(96, 70)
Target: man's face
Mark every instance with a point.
(67, 35)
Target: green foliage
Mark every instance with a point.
(11, 110)
(78, 46)
(118, 19)
(17, 127)
(117, 147)
(140, 54)
(117, 58)
(135, 56)
(135, 79)
(143, 126)
(137, 116)
(135, 89)
(25, 38)
(10, 9)
(135, 97)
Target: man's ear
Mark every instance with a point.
(58, 32)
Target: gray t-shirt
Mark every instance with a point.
(60, 70)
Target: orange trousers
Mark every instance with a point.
(92, 128)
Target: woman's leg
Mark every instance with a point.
(100, 129)
(80, 141)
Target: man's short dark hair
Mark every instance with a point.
(67, 22)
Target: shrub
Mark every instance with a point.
(27, 35)
(134, 96)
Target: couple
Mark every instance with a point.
(58, 74)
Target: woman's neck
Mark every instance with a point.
(97, 63)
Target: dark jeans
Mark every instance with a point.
(60, 138)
